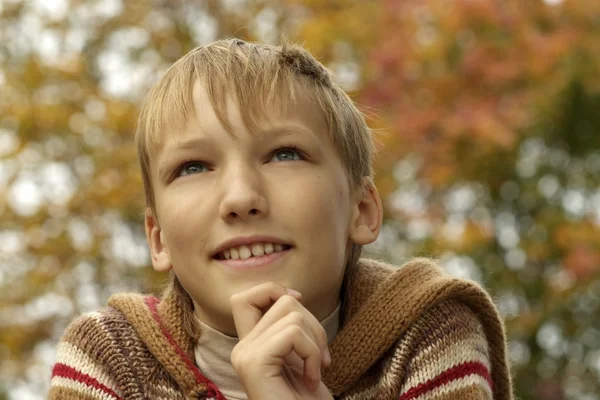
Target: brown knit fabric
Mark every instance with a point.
(410, 332)
(397, 302)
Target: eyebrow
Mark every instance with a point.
(290, 129)
(164, 168)
(193, 143)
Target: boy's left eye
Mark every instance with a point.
(286, 154)
(192, 167)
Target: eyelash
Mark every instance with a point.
(290, 147)
(190, 161)
(293, 147)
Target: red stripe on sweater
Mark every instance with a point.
(64, 371)
(213, 390)
(449, 375)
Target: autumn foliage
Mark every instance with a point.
(487, 115)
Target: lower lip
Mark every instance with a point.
(253, 262)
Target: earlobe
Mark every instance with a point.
(368, 215)
(161, 260)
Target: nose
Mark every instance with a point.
(243, 196)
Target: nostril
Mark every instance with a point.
(254, 211)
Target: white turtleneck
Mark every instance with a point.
(213, 356)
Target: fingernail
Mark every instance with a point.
(294, 293)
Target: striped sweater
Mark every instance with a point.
(405, 333)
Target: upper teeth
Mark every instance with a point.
(256, 249)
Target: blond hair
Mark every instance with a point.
(262, 78)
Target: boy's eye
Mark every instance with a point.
(192, 167)
(286, 154)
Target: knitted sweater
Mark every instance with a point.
(405, 333)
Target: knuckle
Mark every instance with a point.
(296, 317)
(272, 287)
(276, 286)
(288, 301)
(294, 330)
(322, 336)
(235, 359)
(314, 349)
(239, 358)
(235, 299)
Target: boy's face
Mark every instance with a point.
(284, 182)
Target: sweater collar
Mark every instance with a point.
(170, 332)
(378, 304)
(161, 325)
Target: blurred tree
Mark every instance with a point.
(491, 162)
(494, 105)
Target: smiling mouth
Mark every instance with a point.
(244, 252)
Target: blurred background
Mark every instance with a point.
(488, 114)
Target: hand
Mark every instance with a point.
(282, 345)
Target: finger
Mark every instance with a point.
(293, 319)
(294, 338)
(247, 307)
(285, 306)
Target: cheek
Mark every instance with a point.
(182, 220)
(318, 205)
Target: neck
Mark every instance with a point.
(225, 324)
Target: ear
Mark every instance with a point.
(367, 215)
(161, 260)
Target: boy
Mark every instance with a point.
(257, 172)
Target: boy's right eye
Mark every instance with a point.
(192, 167)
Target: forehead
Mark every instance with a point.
(228, 112)
(209, 115)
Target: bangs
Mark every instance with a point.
(255, 77)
